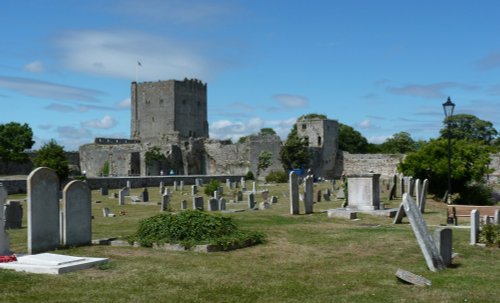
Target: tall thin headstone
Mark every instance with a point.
(402, 185)
(427, 246)
(423, 195)
(4, 238)
(222, 204)
(418, 190)
(145, 195)
(228, 184)
(293, 184)
(308, 195)
(239, 196)
(77, 218)
(251, 200)
(411, 186)
(216, 194)
(175, 185)
(181, 186)
(254, 187)
(43, 210)
(121, 196)
(474, 226)
(194, 190)
(496, 217)
(162, 188)
(165, 201)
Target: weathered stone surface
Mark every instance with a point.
(444, 242)
(145, 195)
(293, 184)
(13, 215)
(222, 204)
(165, 202)
(194, 190)
(213, 204)
(474, 226)
(274, 199)
(342, 213)
(424, 239)
(77, 218)
(423, 196)
(121, 196)
(308, 194)
(104, 191)
(251, 200)
(412, 278)
(4, 238)
(43, 210)
(198, 203)
(264, 205)
(398, 219)
(184, 205)
(363, 191)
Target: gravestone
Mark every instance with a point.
(293, 184)
(363, 191)
(486, 220)
(308, 194)
(175, 185)
(104, 191)
(423, 195)
(165, 201)
(121, 196)
(221, 190)
(412, 278)
(254, 187)
(274, 199)
(194, 190)
(326, 197)
(4, 238)
(424, 239)
(162, 188)
(168, 191)
(197, 182)
(77, 218)
(243, 183)
(251, 200)
(145, 195)
(400, 214)
(392, 192)
(216, 194)
(340, 194)
(107, 213)
(228, 184)
(181, 186)
(418, 191)
(264, 205)
(126, 191)
(128, 185)
(213, 204)
(402, 185)
(265, 195)
(444, 241)
(13, 215)
(184, 204)
(318, 196)
(239, 196)
(43, 210)
(474, 226)
(411, 186)
(496, 217)
(222, 204)
(198, 203)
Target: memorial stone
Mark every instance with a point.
(165, 201)
(254, 187)
(77, 218)
(444, 241)
(121, 196)
(308, 194)
(474, 226)
(274, 199)
(43, 210)
(4, 237)
(411, 186)
(175, 185)
(318, 196)
(162, 187)
(496, 217)
(251, 200)
(181, 185)
(363, 191)
(418, 191)
(184, 204)
(423, 195)
(13, 215)
(104, 191)
(264, 205)
(198, 203)
(145, 195)
(128, 184)
(239, 196)
(222, 204)
(265, 195)
(213, 204)
(194, 190)
(293, 184)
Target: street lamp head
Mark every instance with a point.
(448, 107)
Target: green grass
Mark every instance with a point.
(307, 258)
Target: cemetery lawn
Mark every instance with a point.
(306, 258)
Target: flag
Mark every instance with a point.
(139, 63)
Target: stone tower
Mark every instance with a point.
(169, 110)
(322, 137)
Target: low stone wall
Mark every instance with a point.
(384, 164)
(19, 185)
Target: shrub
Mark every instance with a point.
(277, 177)
(476, 194)
(249, 176)
(212, 186)
(192, 227)
(490, 235)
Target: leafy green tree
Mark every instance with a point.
(312, 116)
(294, 153)
(242, 139)
(469, 127)
(153, 155)
(265, 160)
(52, 155)
(350, 140)
(105, 168)
(267, 131)
(469, 163)
(399, 143)
(15, 139)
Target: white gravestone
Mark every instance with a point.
(77, 219)
(363, 191)
(43, 210)
(308, 194)
(474, 226)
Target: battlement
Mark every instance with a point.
(114, 141)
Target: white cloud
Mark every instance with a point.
(34, 67)
(291, 101)
(378, 139)
(225, 129)
(59, 108)
(106, 122)
(115, 54)
(48, 90)
(124, 103)
(365, 124)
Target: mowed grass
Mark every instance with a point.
(306, 258)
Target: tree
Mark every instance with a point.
(294, 153)
(153, 155)
(469, 163)
(399, 143)
(312, 116)
(265, 160)
(15, 139)
(350, 140)
(52, 155)
(267, 131)
(469, 127)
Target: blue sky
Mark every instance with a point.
(379, 66)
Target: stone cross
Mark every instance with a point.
(165, 201)
(308, 194)
(4, 237)
(77, 218)
(293, 184)
(427, 246)
(43, 210)
(474, 226)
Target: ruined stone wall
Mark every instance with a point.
(119, 157)
(384, 164)
(494, 177)
(226, 158)
(258, 144)
(12, 168)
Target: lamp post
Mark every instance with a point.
(448, 108)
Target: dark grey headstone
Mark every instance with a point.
(104, 191)
(165, 201)
(474, 226)
(293, 183)
(4, 238)
(444, 242)
(145, 195)
(13, 215)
